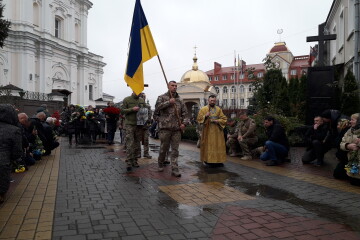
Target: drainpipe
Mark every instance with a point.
(357, 41)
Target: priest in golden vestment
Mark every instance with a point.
(212, 143)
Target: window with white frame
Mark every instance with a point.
(293, 72)
(210, 78)
(260, 74)
(225, 90)
(233, 89)
(232, 76)
(91, 93)
(250, 88)
(351, 17)
(216, 78)
(217, 90)
(233, 102)
(225, 103)
(59, 27)
(224, 77)
(333, 44)
(242, 102)
(242, 88)
(36, 14)
(242, 76)
(340, 36)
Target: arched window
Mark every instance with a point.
(36, 14)
(242, 89)
(217, 90)
(225, 90)
(77, 33)
(59, 27)
(233, 89)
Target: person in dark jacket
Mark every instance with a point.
(277, 146)
(316, 137)
(112, 114)
(11, 145)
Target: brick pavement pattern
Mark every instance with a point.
(84, 192)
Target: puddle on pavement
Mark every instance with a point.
(322, 210)
(89, 147)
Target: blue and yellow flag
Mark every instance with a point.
(142, 48)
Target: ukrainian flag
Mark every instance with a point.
(142, 48)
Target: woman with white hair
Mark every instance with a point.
(351, 143)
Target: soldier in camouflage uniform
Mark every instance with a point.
(130, 107)
(246, 135)
(170, 126)
(232, 135)
(144, 132)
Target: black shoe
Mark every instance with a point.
(288, 160)
(129, 169)
(135, 164)
(271, 163)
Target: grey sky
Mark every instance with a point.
(216, 27)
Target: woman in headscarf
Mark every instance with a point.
(351, 143)
(11, 145)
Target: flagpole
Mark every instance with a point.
(167, 84)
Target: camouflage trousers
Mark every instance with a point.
(144, 138)
(245, 145)
(132, 143)
(169, 138)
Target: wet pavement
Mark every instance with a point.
(84, 192)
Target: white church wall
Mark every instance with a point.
(61, 62)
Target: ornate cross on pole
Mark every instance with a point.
(321, 39)
(195, 49)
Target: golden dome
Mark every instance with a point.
(195, 75)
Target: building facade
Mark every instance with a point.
(46, 50)
(343, 20)
(234, 85)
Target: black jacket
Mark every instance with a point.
(317, 134)
(276, 133)
(10, 135)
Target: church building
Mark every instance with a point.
(46, 50)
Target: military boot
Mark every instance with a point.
(175, 172)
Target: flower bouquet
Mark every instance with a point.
(112, 110)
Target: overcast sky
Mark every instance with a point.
(217, 27)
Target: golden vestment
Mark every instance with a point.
(212, 145)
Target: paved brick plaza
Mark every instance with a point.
(84, 192)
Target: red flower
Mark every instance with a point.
(112, 110)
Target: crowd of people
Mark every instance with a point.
(25, 140)
(330, 130)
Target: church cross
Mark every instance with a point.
(195, 49)
(321, 39)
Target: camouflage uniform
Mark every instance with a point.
(144, 135)
(132, 130)
(232, 142)
(170, 132)
(246, 128)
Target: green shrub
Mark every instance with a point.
(190, 133)
(289, 123)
